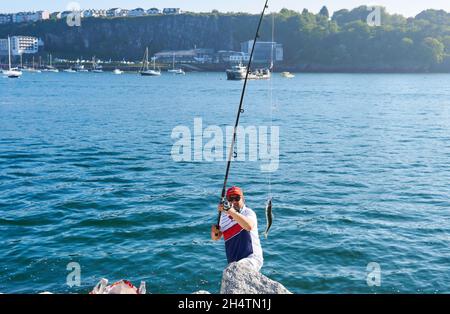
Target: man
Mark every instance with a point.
(239, 228)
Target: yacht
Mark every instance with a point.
(95, 67)
(145, 70)
(117, 71)
(287, 75)
(50, 67)
(80, 68)
(33, 69)
(175, 71)
(11, 72)
(238, 72)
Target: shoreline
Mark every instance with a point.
(278, 69)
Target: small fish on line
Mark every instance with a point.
(269, 217)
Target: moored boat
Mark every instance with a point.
(145, 70)
(287, 75)
(238, 72)
(11, 72)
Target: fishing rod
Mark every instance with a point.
(224, 201)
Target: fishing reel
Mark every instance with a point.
(226, 204)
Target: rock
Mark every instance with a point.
(201, 292)
(240, 278)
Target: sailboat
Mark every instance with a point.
(11, 72)
(33, 69)
(173, 70)
(145, 71)
(69, 70)
(50, 68)
(95, 67)
(79, 67)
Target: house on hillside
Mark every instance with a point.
(153, 11)
(137, 12)
(169, 11)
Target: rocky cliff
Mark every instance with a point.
(119, 38)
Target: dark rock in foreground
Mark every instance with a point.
(240, 278)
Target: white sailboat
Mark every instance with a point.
(50, 68)
(33, 69)
(79, 67)
(173, 70)
(287, 75)
(95, 67)
(146, 71)
(11, 72)
(117, 71)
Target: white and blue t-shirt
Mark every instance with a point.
(240, 243)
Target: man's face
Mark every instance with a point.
(237, 201)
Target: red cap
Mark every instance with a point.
(234, 190)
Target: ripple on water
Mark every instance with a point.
(363, 177)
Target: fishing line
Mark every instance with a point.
(271, 99)
(240, 110)
(268, 208)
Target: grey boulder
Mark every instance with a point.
(240, 278)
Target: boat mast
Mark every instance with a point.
(9, 52)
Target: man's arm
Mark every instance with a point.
(243, 221)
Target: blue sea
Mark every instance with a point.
(87, 176)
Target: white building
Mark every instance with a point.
(20, 45)
(137, 12)
(90, 13)
(265, 51)
(65, 14)
(224, 56)
(101, 13)
(22, 17)
(171, 11)
(3, 46)
(93, 13)
(153, 11)
(114, 12)
(55, 15)
(24, 44)
(239, 57)
(6, 18)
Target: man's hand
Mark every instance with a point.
(215, 233)
(220, 207)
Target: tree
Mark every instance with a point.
(433, 50)
(324, 12)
